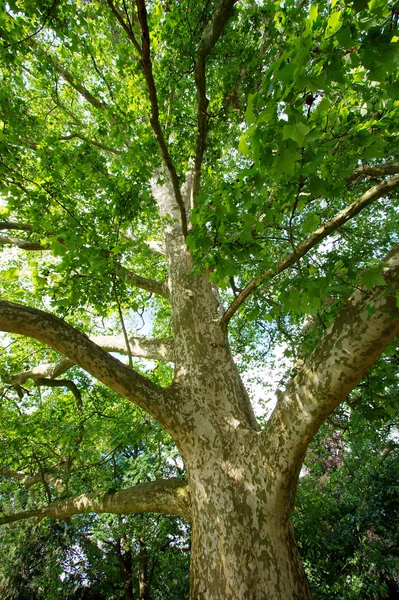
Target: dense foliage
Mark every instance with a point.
(290, 135)
(346, 516)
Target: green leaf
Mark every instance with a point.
(378, 7)
(372, 277)
(243, 145)
(268, 114)
(285, 162)
(249, 114)
(311, 223)
(11, 274)
(323, 106)
(313, 12)
(334, 23)
(57, 248)
(295, 131)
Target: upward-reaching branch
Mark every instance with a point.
(208, 40)
(317, 236)
(365, 326)
(126, 26)
(77, 347)
(144, 53)
(146, 64)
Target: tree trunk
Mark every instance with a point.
(126, 570)
(144, 586)
(231, 563)
(243, 544)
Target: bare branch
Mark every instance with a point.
(43, 381)
(208, 41)
(167, 496)
(126, 26)
(155, 287)
(363, 329)
(48, 370)
(6, 240)
(150, 285)
(156, 349)
(388, 168)
(317, 236)
(32, 35)
(30, 480)
(12, 474)
(67, 340)
(71, 79)
(156, 126)
(90, 141)
(10, 225)
(99, 104)
(155, 246)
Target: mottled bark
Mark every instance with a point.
(363, 329)
(77, 347)
(243, 546)
(167, 496)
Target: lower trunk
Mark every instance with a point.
(243, 544)
(240, 565)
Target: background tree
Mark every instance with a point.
(346, 515)
(107, 556)
(199, 163)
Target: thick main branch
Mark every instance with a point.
(144, 53)
(167, 496)
(77, 347)
(363, 329)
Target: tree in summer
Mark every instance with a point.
(232, 170)
(346, 509)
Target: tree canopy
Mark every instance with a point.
(182, 183)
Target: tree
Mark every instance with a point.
(346, 515)
(110, 556)
(229, 168)
(106, 445)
